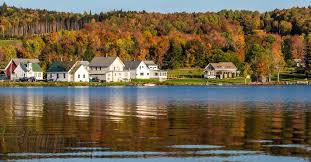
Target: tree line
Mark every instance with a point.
(260, 44)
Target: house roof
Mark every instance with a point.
(132, 64)
(77, 65)
(17, 61)
(60, 66)
(34, 66)
(149, 62)
(102, 61)
(223, 66)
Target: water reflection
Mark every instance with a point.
(167, 122)
(79, 103)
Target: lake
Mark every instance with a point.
(168, 123)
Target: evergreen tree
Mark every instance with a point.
(4, 8)
(88, 54)
(174, 56)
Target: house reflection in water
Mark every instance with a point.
(116, 110)
(149, 106)
(79, 103)
(28, 105)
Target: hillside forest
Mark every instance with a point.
(259, 44)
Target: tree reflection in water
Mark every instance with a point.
(122, 122)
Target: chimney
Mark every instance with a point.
(29, 66)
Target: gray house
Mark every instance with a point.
(221, 70)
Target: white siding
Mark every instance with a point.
(81, 75)
(20, 73)
(58, 76)
(158, 74)
(117, 65)
(142, 72)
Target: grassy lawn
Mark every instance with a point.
(202, 81)
(185, 73)
(58, 84)
(4, 43)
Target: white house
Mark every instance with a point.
(138, 69)
(79, 72)
(59, 71)
(9, 69)
(27, 70)
(155, 72)
(108, 69)
(221, 70)
(68, 71)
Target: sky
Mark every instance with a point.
(165, 6)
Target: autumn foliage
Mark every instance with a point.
(261, 41)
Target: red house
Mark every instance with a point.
(14, 63)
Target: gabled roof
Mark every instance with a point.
(17, 61)
(34, 66)
(60, 66)
(21, 60)
(150, 63)
(223, 66)
(132, 65)
(102, 61)
(77, 65)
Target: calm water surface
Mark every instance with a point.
(156, 123)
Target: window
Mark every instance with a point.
(100, 68)
(57, 75)
(79, 76)
(64, 75)
(39, 74)
(96, 68)
(141, 74)
(51, 76)
(83, 75)
(156, 74)
(147, 73)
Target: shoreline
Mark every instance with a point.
(146, 83)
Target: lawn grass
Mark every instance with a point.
(134, 82)
(59, 84)
(185, 73)
(202, 81)
(4, 43)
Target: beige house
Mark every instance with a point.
(221, 70)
